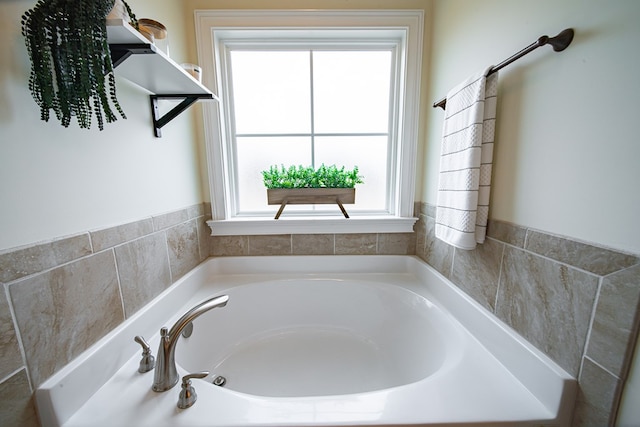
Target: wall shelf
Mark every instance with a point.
(140, 62)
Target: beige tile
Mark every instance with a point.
(17, 408)
(615, 323)
(10, 357)
(548, 303)
(437, 253)
(195, 211)
(584, 256)
(229, 245)
(420, 230)
(170, 219)
(477, 272)
(204, 237)
(417, 208)
(276, 244)
(312, 244)
(356, 244)
(507, 232)
(428, 210)
(112, 236)
(184, 248)
(396, 244)
(143, 268)
(63, 311)
(21, 262)
(207, 210)
(597, 394)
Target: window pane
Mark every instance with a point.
(271, 92)
(257, 154)
(351, 91)
(370, 155)
(272, 96)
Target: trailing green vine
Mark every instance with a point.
(71, 68)
(132, 16)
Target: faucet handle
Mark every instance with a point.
(147, 362)
(188, 394)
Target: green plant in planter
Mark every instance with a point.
(308, 177)
(71, 68)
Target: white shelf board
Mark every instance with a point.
(157, 72)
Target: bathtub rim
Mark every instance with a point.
(534, 369)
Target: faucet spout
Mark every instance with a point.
(166, 374)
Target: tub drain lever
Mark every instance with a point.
(148, 361)
(188, 394)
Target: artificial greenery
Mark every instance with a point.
(71, 68)
(132, 16)
(308, 177)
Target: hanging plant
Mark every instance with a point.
(132, 16)
(71, 68)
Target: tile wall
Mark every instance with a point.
(577, 302)
(60, 297)
(315, 244)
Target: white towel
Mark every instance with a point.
(462, 209)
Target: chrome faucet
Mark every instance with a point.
(166, 374)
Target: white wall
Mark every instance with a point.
(567, 147)
(56, 181)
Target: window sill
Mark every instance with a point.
(323, 225)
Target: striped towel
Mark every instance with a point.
(462, 209)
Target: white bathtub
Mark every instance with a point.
(321, 337)
(318, 341)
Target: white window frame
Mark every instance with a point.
(214, 27)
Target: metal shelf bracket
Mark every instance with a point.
(187, 101)
(121, 51)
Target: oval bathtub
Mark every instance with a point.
(317, 341)
(315, 337)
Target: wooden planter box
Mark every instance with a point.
(310, 196)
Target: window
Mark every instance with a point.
(310, 107)
(343, 90)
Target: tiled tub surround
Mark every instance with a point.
(60, 297)
(576, 302)
(456, 364)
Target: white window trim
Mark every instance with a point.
(210, 24)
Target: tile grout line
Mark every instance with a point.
(592, 319)
(92, 248)
(495, 303)
(595, 362)
(166, 248)
(23, 353)
(12, 374)
(553, 259)
(115, 264)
